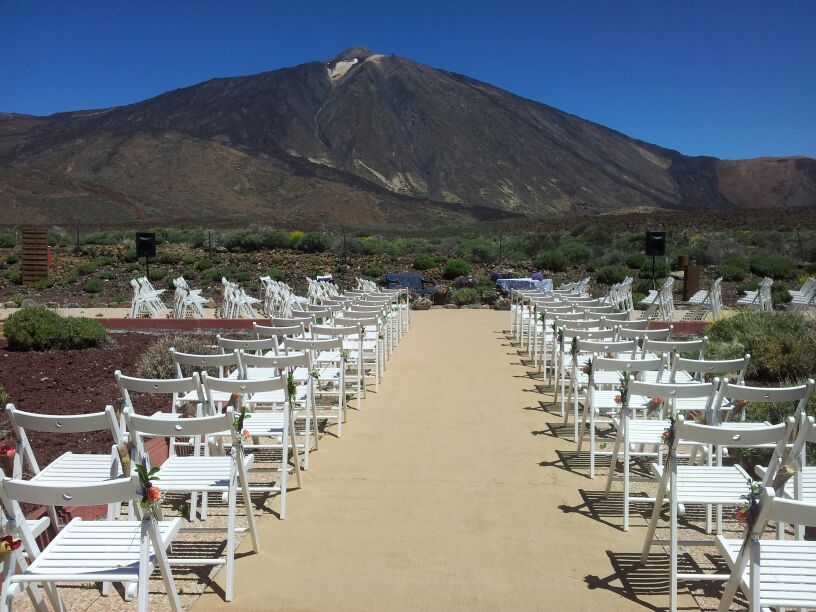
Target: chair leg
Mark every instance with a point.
(658, 505)
(230, 552)
(613, 464)
(166, 573)
(296, 455)
(626, 466)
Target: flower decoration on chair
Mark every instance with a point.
(238, 425)
(749, 510)
(623, 390)
(7, 454)
(291, 387)
(587, 368)
(737, 409)
(344, 354)
(10, 540)
(667, 437)
(654, 404)
(560, 335)
(574, 346)
(788, 466)
(151, 494)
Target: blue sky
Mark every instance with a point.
(731, 78)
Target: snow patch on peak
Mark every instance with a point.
(339, 69)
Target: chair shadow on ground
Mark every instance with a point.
(634, 580)
(603, 508)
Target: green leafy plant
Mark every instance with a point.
(41, 329)
(464, 296)
(423, 261)
(550, 260)
(92, 287)
(609, 275)
(455, 268)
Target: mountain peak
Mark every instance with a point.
(352, 53)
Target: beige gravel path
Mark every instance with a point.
(446, 492)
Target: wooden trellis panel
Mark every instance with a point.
(34, 264)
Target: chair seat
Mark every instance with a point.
(95, 551)
(787, 577)
(191, 474)
(702, 484)
(76, 468)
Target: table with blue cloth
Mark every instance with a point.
(525, 284)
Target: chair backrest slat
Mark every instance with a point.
(80, 494)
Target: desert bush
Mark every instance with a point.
(782, 345)
(635, 261)
(244, 240)
(156, 362)
(312, 242)
(168, 259)
(466, 295)
(86, 268)
(478, 250)
(215, 274)
(575, 252)
(189, 259)
(374, 271)
(550, 260)
(106, 274)
(12, 259)
(129, 256)
(779, 293)
(103, 260)
(733, 268)
(423, 262)
(41, 329)
(156, 274)
(243, 277)
(15, 277)
(132, 267)
(774, 266)
(92, 287)
(44, 283)
(3, 396)
(661, 269)
(609, 275)
(71, 277)
(747, 286)
(204, 264)
(456, 267)
(277, 239)
(8, 239)
(276, 274)
(105, 238)
(175, 235)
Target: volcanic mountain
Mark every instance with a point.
(364, 140)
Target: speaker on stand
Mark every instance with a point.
(655, 245)
(146, 247)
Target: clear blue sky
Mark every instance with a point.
(731, 78)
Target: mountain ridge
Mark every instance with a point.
(367, 139)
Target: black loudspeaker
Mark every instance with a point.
(145, 244)
(655, 243)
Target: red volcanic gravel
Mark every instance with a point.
(68, 382)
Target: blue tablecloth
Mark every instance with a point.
(527, 284)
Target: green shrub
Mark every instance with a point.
(550, 260)
(156, 362)
(637, 298)
(41, 329)
(129, 256)
(478, 250)
(86, 268)
(3, 396)
(15, 277)
(277, 239)
(92, 287)
(132, 267)
(106, 274)
(636, 261)
(45, 283)
(156, 274)
(244, 240)
(423, 262)
(466, 295)
(276, 274)
(243, 277)
(374, 271)
(102, 260)
(81, 332)
(575, 252)
(733, 268)
(782, 345)
(105, 238)
(609, 275)
(661, 270)
(455, 268)
(215, 274)
(312, 242)
(193, 237)
(204, 264)
(774, 266)
(189, 259)
(779, 293)
(747, 286)
(8, 239)
(71, 277)
(12, 259)
(168, 259)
